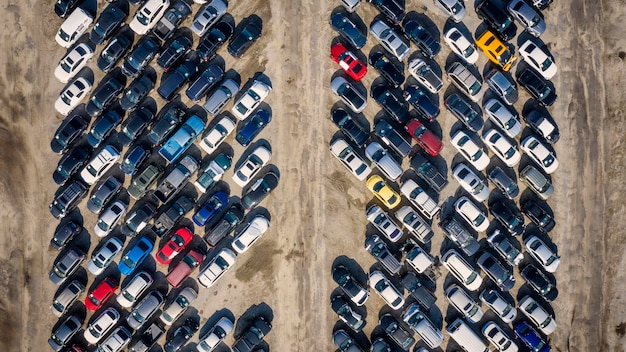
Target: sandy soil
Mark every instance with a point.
(318, 210)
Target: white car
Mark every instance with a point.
(502, 147)
(250, 99)
(208, 17)
(214, 337)
(177, 307)
(385, 162)
(498, 338)
(148, 15)
(100, 164)
(389, 39)
(498, 305)
(101, 325)
(472, 214)
(217, 267)
(116, 341)
(414, 223)
(109, 218)
(383, 223)
(470, 150)
(538, 59)
(461, 270)
(542, 253)
(250, 233)
(387, 291)
(503, 117)
(131, 292)
(419, 198)
(72, 95)
(471, 182)
(73, 62)
(73, 27)
(216, 135)
(455, 9)
(461, 45)
(540, 154)
(462, 302)
(424, 75)
(251, 166)
(537, 314)
(352, 161)
(103, 257)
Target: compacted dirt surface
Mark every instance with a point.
(318, 210)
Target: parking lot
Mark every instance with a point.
(318, 210)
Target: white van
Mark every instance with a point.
(74, 26)
(466, 338)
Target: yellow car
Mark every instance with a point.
(382, 191)
(496, 50)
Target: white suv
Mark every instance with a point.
(101, 325)
(74, 26)
(134, 289)
(100, 164)
(462, 270)
(148, 15)
(460, 300)
(250, 99)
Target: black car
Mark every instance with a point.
(64, 7)
(133, 159)
(253, 336)
(462, 110)
(346, 123)
(538, 216)
(497, 18)
(212, 41)
(392, 9)
(176, 80)
(388, 67)
(396, 332)
(144, 51)
(113, 52)
(175, 51)
(425, 42)
(172, 18)
(138, 219)
(205, 82)
(70, 130)
(171, 117)
(259, 190)
(110, 19)
(395, 106)
(347, 314)
(246, 35)
(539, 120)
(508, 217)
(62, 335)
(107, 91)
(103, 127)
(503, 182)
(69, 164)
(138, 90)
(103, 194)
(425, 108)
(182, 334)
(64, 234)
(134, 125)
(348, 30)
(539, 282)
(348, 283)
(390, 136)
(537, 87)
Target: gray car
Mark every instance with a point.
(455, 9)
(145, 309)
(64, 333)
(221, 96)
(64, 299)
(66, 265)
(464, 111)
(379, 250)
(503, 182)
(527, 16)
(500, 243)
(348, 94)
(103, 194)
(496, 271)
(502, 86)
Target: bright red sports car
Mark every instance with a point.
(348, 61)
(101, 293)
(424, 137)
(176, 244)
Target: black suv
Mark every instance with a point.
(64, 234)
(134, 125)
(497, 18)
(253, 336)
(212, 41)
(539, 282)
(166, 123)
(106, 92)
(415, 32)
(138, 90)
(388, 67)
(390, 102)
(172, 18)
(390, 136)
(503, 182)
(425, 108)
(538, 216)
(68, 133)
(249, 33)
(394, 329)
(182, 334)
(110, 19)
(205, 82)
(175, 51)
(67, 198)
(69, 164)
(113, 52)
(392, 9)
(170, 86)
(537, 87)
(103, 127)
(346, 123)
(259, 190)
(462, 110)
(144, 51)
(508, 217)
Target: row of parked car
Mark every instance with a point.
(500, 259)
(155, 30)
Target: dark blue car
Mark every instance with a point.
(211, 208)
(253, 126)
(133, 160)
(135, 256)
(173, 83)
(531, 338)
(103, 127)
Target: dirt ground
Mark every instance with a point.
(318, 211)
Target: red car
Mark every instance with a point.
(424, 137)
(101, 293)
(183, 269)
(348, 61)
(176, 244)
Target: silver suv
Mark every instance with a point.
(502, 86)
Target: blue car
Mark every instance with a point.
(103, 127)
(182, 139)
(531, 338)
(135, 256)
(211, 208)
(253, 126)
(133, 160)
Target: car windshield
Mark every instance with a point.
(509, 153)
(138, 316)
(63, 35)
(378, 186)
(475, 88)
(103, 225)
(477, 155)
(221, 263)
(143, 19)
(545, 64)
(456, 8)
(510, 123)
(94, 300)
(533, 22)
(479, 220)
(471, 278)
(548, 161)
(381, 285)
(128, 296)
(182, 301)
(504, 57)
(128, 262)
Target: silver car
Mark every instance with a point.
(145, 309)
(389, 39)
(502, 86)
(453, 8)
(348, 94)
(221, 96)
(465, 80)
(527, 16)
(503, 117)
(180, 304)
(424, 75)
(383, 160)
(208, 17)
